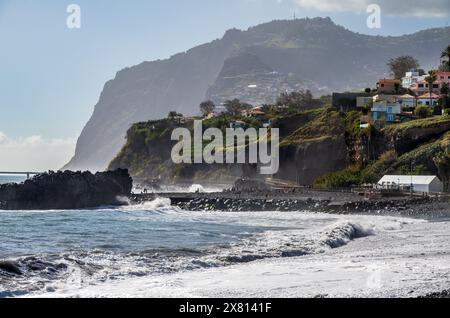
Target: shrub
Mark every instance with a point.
(345, 178)
(447, 112)
(424, 111)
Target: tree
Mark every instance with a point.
(446, 55)
(207, 107)
(368, 90)
(445, 96)
(421, 72)
(302, 100)
(174, 115)
(235, 107)
(400, 65)
(430, 79)
(424, 111)
(445, 89)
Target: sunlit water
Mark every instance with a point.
(11, 179)
(156, 250)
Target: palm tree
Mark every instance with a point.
(446, 55)
(430, 79)
(445, 98)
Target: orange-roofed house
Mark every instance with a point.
(388, 86)
(427, 99)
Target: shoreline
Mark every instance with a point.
(340, 203)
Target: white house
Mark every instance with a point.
(422, 184)
(411, 78)
(407, 101)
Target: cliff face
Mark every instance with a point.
(276, 56)
(316, 148)
(419, 147)
(310, 159)
(314, 144)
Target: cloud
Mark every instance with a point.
(419, 8)
(34, 153)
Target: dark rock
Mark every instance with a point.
(67, 190)
(10, 267)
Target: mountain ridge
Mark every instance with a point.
(314, 54)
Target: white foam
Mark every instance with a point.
(299, 255)
(196, 188)
(156, 204)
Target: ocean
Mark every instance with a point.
(155, 250)
(11, 179)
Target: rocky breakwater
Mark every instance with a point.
(313, 201)
(67, 190)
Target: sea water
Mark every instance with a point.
(155, 250)
(11, 179)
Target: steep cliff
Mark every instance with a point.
(419, 147)
(324, 147)
(285, 55)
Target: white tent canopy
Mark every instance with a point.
(419, 183)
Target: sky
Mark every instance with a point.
(52, 76)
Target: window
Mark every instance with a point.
(421, 85)
(435, 85)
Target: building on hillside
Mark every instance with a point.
(384, 112)
(256, 112)
(389, 86)
(363, 101)
(428, 100)
(412, 78)
(443, 77)
(347, 102)
(422, 87)
(212, 115)
(421, 184)
(407, 101)
(386, 98)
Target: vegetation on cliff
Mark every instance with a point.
(320, 146)
(423, 158)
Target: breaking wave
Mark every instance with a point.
(46, 273)
(157, 204)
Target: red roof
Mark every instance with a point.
(427, 96)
